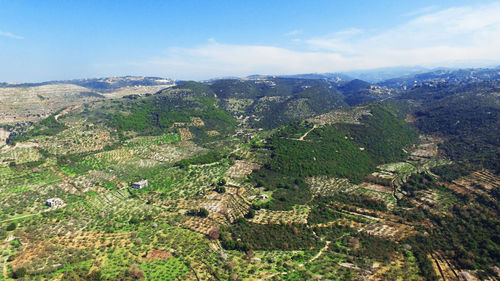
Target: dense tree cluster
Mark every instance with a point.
(46, 127)
(209, 157)
(451, 172)
(468, 235)
(243, 235)
(468, 116)
(419, 182)
(157, 114)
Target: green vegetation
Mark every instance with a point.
(243, 236)
(220, 189)
(374, 247)
(202, 212)
(278, 100)
(451, 172)
(349, 151)
(207, 158)
(418, 182)
(328, 153)
(19, 273)
(344, 151)
(466, 236)
(155, 140)
(312, 101)
(47, 127)
(348, 195)
(12, 226)
(360, 200)
(156, 115)
(469, 117)
(287, 190)
(323, 211)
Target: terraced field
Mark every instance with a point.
(224, 199)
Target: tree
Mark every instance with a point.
(136, 273)
(220, 189)
(11, 226)
(222, 182)
(95, 276)
(250, 214)
(203, 213)
(19, 273)
(214, 233)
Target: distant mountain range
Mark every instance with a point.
(400, 77)
(101, 84)
(444, 76)
(392, 77)
(380, 74)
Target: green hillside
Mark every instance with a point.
(341, 150)
(256, 179)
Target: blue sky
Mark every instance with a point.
(51, 40)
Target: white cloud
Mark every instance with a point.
(341, 41)
(459, 35)
(215, 59)
(10, 35)
(424, 10)
(294, 32)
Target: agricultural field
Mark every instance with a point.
(298, 215)
(241, 169)
(350, 116)
(185, 184)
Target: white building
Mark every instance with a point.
(140, 184)
(54, 202)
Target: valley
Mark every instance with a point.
(267, 178)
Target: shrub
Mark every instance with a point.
(136, 273)
(19, 273)
(11, 226)
(220, 189)
(95, 276)
(250, 214)
(214, 233)
(202, 213)
(222, 182)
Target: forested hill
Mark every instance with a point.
(340, 150)
(271, 102)
(467, 116)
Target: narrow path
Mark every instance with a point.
(317, 256)
(66, 111)
(21, 217)
(5, 275)
(319, 253)
(307, 133)
(393, 193)
(437, 265)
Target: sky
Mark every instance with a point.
(56, 40)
